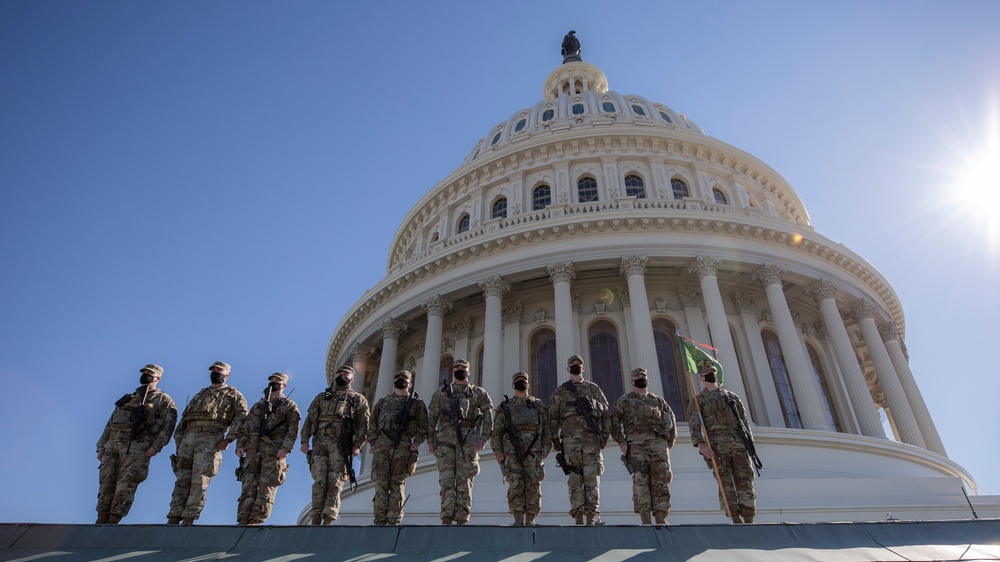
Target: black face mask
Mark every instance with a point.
(461, 375)
(641, 383)
(521, 385)
(217, 377)
(575, 369)
(146, 378)
(709, 377)
(400, 384)
(341, 381)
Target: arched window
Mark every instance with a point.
(608, 107)
(638, 110)
(544, 364)
(587, 189)
(479, 367)
(606, 359)
(720, 197)
(666, 117)
(520, 125)
(824, 388)
(578, 109)
(541, 197)
(634, 186)
(463, 223)
(671, 371)
(679, 188)
(548, 115)
(496, 139)
(444, 372)
(499, 208)
(782, 383)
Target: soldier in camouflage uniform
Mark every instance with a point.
(263, 441)
(139, 427)
(580, 438)
(730, 454)
(398, 427)
(645, 427)
(456, 448)
(201, 437)
(530, 422)
(336, 414)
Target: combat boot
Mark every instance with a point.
(578, 519)
(661, 517)
(328, 519)
(518, 518)
(737, 520)
(590, 519)
(173, 520)
(461, 522)
(529, 518)
(188, 521)
(102, 517)
(113, 519)
(446, 520)
(644, 518)
(316, 519)
(748, 519)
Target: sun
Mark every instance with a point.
(975, 185)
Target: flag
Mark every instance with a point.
(695, 358)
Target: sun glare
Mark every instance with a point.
(975, 189)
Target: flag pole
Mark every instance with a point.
(704, 433)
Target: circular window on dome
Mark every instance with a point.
(495, 140)
(609, 107)
(548, 115)
(520, 125)
(666, 117)
(577, 109)
(638, 110)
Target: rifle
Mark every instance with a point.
(515, 438)
(585, 407)
(403, 421)
(346, 444)
(561, 461)
(137, 414)
(455, 417)
(627, 458)
(745, 435)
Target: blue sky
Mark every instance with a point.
(189, 182)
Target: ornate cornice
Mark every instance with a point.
(768, 274)
(392, 328)
(495, 286)
(512, 312)
(745, 301)
(437, 306)
(562, 271)
(690, 297)
(822, 290)
(462, 328)
(633, 265)
(704, 266)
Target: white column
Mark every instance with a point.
(391, 329)
(707, 269)
(691, 300)
(824, 292)
(626, 302)
(772, 417)
(462, 330)
(436, 307)
(634, 270)
(494, 288)
(361, 354)
(562, 275)
(890, 336)
(800, 370)
(905, 423)
(611, 187)
(511, 349)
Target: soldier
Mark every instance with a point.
(521, 441)
(337, 421)
(140, 427)
(458, 411)
(264, 439)
(579, 422)
(644, 426)
(201, 437)
(398, 427)
(722, 412)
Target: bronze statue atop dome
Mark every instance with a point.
(571, 48)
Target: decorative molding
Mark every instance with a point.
(796, 314)
(745, 302)
(623, 296)
(363, 352)
(600, 307)
(392, 328)
(561, 272)
(821, 332)
(462, 328)
(766, 317)
(541, 315)
(495, 286)
(437, 306)
(862, 309)
(577, 299)
(418, 348)
(768, 274)
(660, 304)
(690, 297)
(888, 331)
(704, 266)
(633, 265)
(822, 290)
(512, 312)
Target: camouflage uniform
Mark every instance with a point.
(524, 487)
(391, 467)
(731, 454)
(330, 468)
(648, 425)
(580, 446)
(458, 461)
(124, 467)
(262, 471)
(203, 425)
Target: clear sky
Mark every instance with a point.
(188, 182)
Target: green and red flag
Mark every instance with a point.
(695, 357)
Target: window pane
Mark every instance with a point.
(782, 383)
(463, 223)
(666, 117)
(634, 187)
(605, 360)
(541, 197)
(520, 125)
(544, 369)
(824, 389)
(587, 189)
(578, 109)
(720, 197)
(495, 139)
(680, 188)
(549, 114)
(666, 352)
(500, 208)
(608, 107)
(479, 367)
(638, 110)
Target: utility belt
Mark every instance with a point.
(328, 431)
(205, 429)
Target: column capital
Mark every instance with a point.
(576, 299)
(437, 306)
(418, 348)
(745, 301)
(392, 328)
(861, 309)
(512, 312)
(821, 290)
(796, 314)
(768, 274)
(633, 265)
(562, 271)
(495, 286)
(462, 328)
(623, 295)
(821, 331)
(363, 351)
(888, 331)
(704, 266)
(690, 297)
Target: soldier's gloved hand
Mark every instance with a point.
(355, 451)
(480, 445)
(371, 449)
(431, 448)
(150, 453)
(222, 445)
(239, 452)
(413, 447)
(282, 453)
(624, 448)
(544, 456)
(304, 448)
(705, 451)
(100, 455)
(556, 446)
(500, 457)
